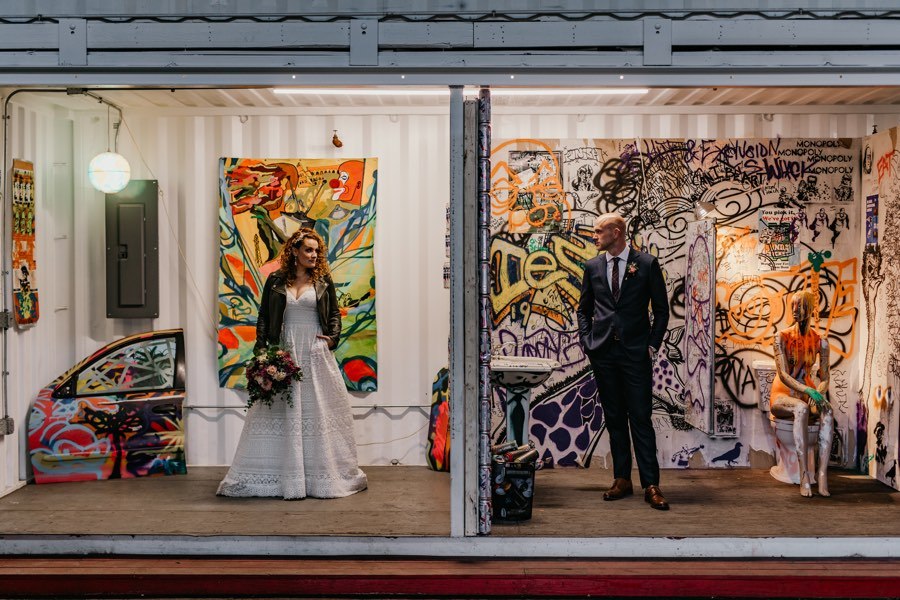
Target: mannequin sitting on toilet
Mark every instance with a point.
(799, 389)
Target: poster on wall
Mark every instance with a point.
(872, 219)
(26, 309)
(261, 203)
(699, 325)
(778, 231)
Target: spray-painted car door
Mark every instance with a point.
(117, 414)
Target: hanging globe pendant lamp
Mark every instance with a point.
(109, 172)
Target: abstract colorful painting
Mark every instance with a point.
(24, 282)
(437, 445)
(261, 203)
(115, 415)
(699, 325)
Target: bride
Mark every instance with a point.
(307, 449)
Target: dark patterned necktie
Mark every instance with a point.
(615, 279)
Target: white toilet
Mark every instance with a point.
(787, 467)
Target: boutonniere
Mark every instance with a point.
(631, 269)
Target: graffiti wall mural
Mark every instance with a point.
(699, 326)
(545, 196)
(879, 421)
(261, 203)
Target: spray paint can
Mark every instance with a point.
(512, 455)
(501, 448)
(527, 457)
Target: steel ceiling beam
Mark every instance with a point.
(169, 42)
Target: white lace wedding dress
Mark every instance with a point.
(307, 449)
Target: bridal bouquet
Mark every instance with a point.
(269, 374)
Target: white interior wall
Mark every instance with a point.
(182, 152)
(38, 354)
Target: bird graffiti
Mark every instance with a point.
(731, 456)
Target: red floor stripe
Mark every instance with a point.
(533, 586)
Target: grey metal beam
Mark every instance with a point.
(254, 8)
(496, 64)
(72, 42)
(641, 42)
(364, 42)
(470, 310)
(421, 35)
(34, 36)
(551, 34)
(458, 366)
(200, 77)
(657, 42)
(104, 35)
(785, 33)
(618, 548)
(438, 35)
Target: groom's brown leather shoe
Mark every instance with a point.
(653, 496)
(620, 488)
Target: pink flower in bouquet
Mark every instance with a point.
(269, 375)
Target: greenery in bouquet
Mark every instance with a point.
(269, 375)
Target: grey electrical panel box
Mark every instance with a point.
(132, 251)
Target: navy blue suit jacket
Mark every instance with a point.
(601, 319)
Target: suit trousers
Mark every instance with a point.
(625, 388)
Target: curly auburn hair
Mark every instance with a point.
(288, 259)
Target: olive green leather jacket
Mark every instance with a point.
(274, 301)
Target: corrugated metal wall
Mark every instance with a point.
(182, 153)
(412, 305)
(40, 353)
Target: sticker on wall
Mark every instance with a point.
(872, 220)
(261, 203)
(725, 423)
(24, 287)
(823, 226)
(778, 232)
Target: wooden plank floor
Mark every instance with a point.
(240, 577)
(714, 502)
(400, 501)
(414, 501)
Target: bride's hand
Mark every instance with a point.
(326, 338)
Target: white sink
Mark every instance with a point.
(521, 371)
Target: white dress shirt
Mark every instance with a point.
(609, 267)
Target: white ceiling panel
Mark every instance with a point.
(261, 98)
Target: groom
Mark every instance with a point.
(617, 336)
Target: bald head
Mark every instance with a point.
(614, 219)
(609, 233)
